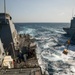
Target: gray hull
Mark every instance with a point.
(69, 31)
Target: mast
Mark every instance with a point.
(4, 6)
(73, 15)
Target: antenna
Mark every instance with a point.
(4, 6)
(72, 13)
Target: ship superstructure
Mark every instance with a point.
(71, 31)
(8, 33)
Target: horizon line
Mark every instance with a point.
(41, 22)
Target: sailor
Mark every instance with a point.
(20, 56)
(68, 43)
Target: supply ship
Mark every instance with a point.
(17, 51)
(71, 31)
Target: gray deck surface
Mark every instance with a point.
(27, 71)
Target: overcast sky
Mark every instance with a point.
(40, 10)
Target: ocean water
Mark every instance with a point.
(51, 43)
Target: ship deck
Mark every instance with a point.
(25, 71)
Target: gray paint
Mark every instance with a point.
(7, 29)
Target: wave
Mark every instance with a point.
(27, 31)
(60, 32)
(40, 61)
(51, 44)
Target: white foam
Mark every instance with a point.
(53, 54)
(42, 38)
(27, 31)
(57, 31)
(41, 63)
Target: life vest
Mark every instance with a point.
(68, 42)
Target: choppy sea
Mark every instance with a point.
(51, 43)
